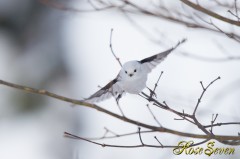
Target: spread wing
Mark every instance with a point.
(111, 89)
(152, 61)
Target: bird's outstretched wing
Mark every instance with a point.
(152, 61)
(112, 89)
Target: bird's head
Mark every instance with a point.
(131, 69)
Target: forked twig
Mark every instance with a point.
(203, 92)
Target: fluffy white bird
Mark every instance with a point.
(132, 77)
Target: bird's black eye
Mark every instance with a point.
(135, 70)
(126, 72)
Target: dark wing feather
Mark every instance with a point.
(111, 89)
(152, 61)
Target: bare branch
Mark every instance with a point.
(220, 124)
(120, 135)
(236, 11)
(118, 60)
(119, 107)
(158, 141)
(164, 102)
(231, 36)
(202, 86)
(110, 131)
(154, 117)
(183, 117)
(125, 119)
(225, 5)
(66, 134)
(204, 90)
(140, 137)
(214, 117)
(156, 84)
(210, 13)
(72, 136)
(238, 18)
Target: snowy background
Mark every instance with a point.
(68, 53)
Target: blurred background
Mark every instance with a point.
(63, 47)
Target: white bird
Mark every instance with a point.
(132, 77)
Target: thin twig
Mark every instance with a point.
(140, 137)
(69, 135)
(118, 60)
(156, 84)
(158, 141)
(214, 117)
(231, 36)
(119, 135)
(204, 90)
(200, 126)
(202, 85)
(236, 11)
(110, 131)
(164, 102)
(117, 102)
(183, 117)
(225, 5)
(221, 124)
(236, 16)
(119, 107)
(210, 13)
(154, 117)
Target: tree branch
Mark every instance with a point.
(210, 13)
(118, 60)
(204, 90)
(125, 119)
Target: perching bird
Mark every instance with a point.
(132, 77)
